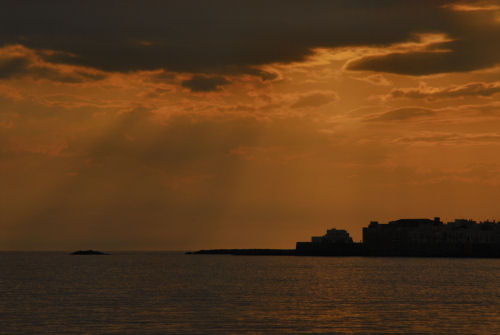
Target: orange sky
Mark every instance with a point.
(167, 126)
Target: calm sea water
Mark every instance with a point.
(169, 293)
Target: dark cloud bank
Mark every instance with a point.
(204, 83)
(24, 66)
(225, 36)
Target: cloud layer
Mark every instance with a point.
(224, 36)
(18, 61)
(456, 91)
(205, 83)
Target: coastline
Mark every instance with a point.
(360, 250)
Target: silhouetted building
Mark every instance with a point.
(411, 237)
(333, 236)
(401, 232)
(426, 231)
(336, 242)
(425, 237)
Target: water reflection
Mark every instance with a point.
(158, 293)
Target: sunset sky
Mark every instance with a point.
(175, 125)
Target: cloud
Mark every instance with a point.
(204, 83)
(456, 91)
(471, 6)
(467, 52)
(223, 37)
(375, 79)
(314, 100)
(11, 66)
(403, 114)
(417, 63)
(451, 138)
(18, 61)
(469, 46)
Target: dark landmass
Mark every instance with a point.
(399, 238)
(458, 250)
(303, 249)
(248, 252)
(360, 250)
(330, 249)
(88, 252)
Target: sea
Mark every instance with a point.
(174, 293)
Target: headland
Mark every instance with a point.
(399, 238)
(88, 252)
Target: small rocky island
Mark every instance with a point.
(88, 252)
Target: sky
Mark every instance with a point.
(182, 125)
